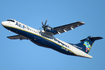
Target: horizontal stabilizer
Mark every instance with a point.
(92, 38)
(97, 38)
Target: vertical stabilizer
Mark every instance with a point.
(86, 44)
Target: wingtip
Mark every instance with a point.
(81, 22)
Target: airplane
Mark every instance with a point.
(45, 37)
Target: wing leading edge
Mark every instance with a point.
(64, 28)
(17, 37)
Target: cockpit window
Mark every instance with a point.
(11, 20)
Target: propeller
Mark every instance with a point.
(44, 25)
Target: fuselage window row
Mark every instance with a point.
(55, 41)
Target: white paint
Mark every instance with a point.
(67, 46)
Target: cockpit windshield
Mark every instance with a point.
(11, 20)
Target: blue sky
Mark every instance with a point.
(24, 55)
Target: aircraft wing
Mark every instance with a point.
(64, 28)
(17, 37)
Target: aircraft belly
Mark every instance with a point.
(48, 44)
(41, 41)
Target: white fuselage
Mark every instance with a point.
(47, 37)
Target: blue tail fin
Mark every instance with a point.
(86, 44)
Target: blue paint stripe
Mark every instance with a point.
(40, 40)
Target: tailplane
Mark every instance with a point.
(86, 44)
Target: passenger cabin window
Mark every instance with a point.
(11, 20)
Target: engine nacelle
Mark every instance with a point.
(50, 29)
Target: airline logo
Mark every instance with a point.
(88, 46)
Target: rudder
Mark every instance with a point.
(86, 44)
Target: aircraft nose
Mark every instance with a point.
(3, 23)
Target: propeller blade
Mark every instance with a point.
(40, 28)
(42, 23)
(46, 21)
